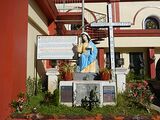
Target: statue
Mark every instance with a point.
(88, 53)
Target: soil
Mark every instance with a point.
(97, 117)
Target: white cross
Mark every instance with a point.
(110, 26)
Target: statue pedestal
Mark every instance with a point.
(85, 76)
(52, 79)
(121, 79)
(72, 92)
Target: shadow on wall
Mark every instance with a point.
(42, 74)
(40, 69)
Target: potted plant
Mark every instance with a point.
(67, 71)
(105, 73)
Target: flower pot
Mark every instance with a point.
(68, 76)
(105, 76)
(119, 118)
(156, 117)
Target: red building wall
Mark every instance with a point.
(13, 51)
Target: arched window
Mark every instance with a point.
(151, 23)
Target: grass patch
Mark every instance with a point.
(123, 107)
(63, 110)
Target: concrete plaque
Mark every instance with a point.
(108, 94)
(66, 93)
(83, 90)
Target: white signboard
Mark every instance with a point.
(55, 47)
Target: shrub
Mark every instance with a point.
(56, 97)
(30, 85)
(140, 93)
(51, 98)
(18, 105)
(48, 98)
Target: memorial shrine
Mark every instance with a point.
(87, 69)
(35, 34)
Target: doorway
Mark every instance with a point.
(137, 64)
(158, 70)
(117, 57)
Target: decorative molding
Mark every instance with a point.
(135, 16)
(36, 26)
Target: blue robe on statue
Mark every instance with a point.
(88, 57)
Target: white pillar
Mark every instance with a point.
(52, 79)
(121, 79)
